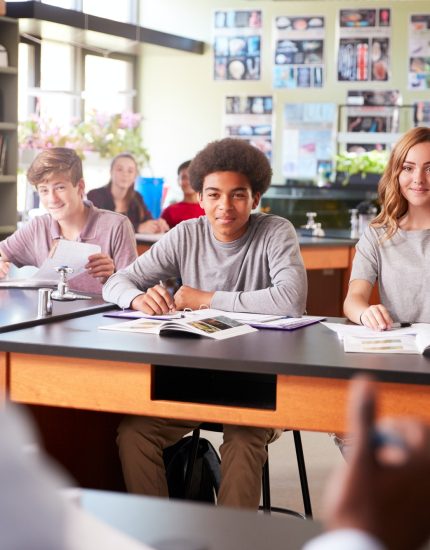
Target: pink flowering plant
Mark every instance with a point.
(105, 134)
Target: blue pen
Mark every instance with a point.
(379, 438)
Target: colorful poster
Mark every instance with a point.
(364, 45)
(308, 140)
(250, 118)
(370, 119)
(299, 52)
(237, 45)
(419, 52)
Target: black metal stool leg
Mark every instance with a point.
(265, 483)
(191, 460)
(302, 474)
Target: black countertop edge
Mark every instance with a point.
(318, 370)
(57, 317)
(80, 20)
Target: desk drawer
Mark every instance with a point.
(234, 389)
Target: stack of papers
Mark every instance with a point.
(359, 339)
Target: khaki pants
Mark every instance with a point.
(141, 441)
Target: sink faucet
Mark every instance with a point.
(317, 230)
(63, 293)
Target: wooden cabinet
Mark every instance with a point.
(9, 38)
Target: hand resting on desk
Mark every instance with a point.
(158, 301)
(192, 298)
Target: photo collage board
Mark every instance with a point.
(309, 140)
(299, 52)
(237, 44)
(250, 118)
(419, 52)
(373, 114)
(364, 52)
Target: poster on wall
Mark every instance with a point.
(237, 44)
(422, 113)
(372, 115)
(299, 52)
(308, 144)
(364, 45)
(250, 118)
(419, 52)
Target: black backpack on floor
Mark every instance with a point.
(206, 473)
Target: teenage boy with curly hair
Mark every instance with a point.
(233, 260)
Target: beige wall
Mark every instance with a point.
(183, 106)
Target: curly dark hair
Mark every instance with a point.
(231, 155)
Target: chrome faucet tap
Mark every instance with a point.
(317, 230)
(63, 292)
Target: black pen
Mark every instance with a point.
(400, 325)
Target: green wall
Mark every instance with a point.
(183, 106)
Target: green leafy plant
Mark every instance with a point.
(371, 162)
(107, 135)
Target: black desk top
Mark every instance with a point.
(153, 520)
(18, 308)
(311, 351)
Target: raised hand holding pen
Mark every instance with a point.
(382, 491)
(157, 300)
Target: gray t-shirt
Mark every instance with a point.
(262, 271)
(400, 266)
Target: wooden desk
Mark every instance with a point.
(71, 372)
(277, 374)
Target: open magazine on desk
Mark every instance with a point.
(218, 326)
(257, 320)
(359, 339)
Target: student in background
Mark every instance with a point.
(230, 259)
(120, 196)
(189, 207)
(56, 173)
(379, 499)
(395, 248)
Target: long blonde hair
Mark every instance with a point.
(130, 196)
(393, 203)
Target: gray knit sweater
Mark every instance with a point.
(261, 272)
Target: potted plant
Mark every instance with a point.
(361, 164)
(107, 135)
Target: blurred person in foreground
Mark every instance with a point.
(378, 500)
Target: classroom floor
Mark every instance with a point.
(321, 456)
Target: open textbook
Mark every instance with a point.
(258, 320)
(70, 253)
(200, 323)
(358, 339)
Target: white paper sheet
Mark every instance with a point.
(70, 253)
